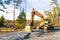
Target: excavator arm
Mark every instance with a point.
(41, 16)
(38, 14)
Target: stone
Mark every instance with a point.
(45, 29)
(28, 28)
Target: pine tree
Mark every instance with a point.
(1, 20)
(54, 13)
(21, 19)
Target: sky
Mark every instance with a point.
(38, 5)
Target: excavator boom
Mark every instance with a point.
(38, 14)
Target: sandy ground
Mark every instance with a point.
(30, 36)
(47, 36)
(13, 36)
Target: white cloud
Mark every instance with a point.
(10, 14)
(38, 3)
(1, 7)
(32, 1)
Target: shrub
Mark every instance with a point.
(1, 20)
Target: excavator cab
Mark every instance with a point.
(48, 24)
(47, 21)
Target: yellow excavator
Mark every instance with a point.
(43, 23)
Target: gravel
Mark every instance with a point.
(30, 36)
(13, 36)
(47, 36)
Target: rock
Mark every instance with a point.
(28, 28)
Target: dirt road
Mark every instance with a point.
(36, 35)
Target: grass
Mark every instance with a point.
(6, 30)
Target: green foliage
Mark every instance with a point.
(54, 2)
(20, 22)
(59, 14)
(18, 2)
(54, 13)
(3, 2)
(1, 20)
(47, 21)
(7, 1)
